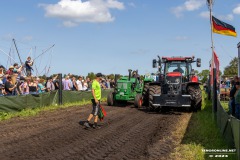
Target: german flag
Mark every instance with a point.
(223, 28)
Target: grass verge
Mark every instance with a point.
(200, 133)
(32, 112)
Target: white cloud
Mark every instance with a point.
(205, 14)
(132, 4)
(8, 36)
(73, 12)
(189, 5)
(180, 38)
(140, 52)
(237, 9)
(228, 17)
(27, 38)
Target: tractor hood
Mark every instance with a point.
(126, 80)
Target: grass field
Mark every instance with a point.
(200, 133)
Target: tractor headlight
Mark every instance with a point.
(177, 80)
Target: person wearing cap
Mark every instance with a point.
(17, 69)
(96, 97)
(10, 70)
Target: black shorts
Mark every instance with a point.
(95, 106)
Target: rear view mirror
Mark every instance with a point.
(198, 62)
(154, 65)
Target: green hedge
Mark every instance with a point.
(229, 127)
(18, 103)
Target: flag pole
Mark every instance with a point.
(213, 66)
(210, 4)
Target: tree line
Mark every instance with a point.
(229, 71)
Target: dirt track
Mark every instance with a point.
(126, 133)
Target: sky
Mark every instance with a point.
(112, 36)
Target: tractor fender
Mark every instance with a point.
(154, 83)
(194, 79)
(192, 83)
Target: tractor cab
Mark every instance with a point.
(177, 67)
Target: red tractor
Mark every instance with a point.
(176, 85)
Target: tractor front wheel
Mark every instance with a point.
(145, 94)
(110, 99)
(154, 89)
(196, 97)
(138, 101)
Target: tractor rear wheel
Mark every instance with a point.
(154, 89)
(138, 101)
(145, 94)
(196, 97)
(110, 99)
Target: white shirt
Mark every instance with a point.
(85, 86)
(79, 84)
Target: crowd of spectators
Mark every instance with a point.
(234, 102)
(12, 82)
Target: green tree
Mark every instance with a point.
(203, 75)
(91, 75)
(196, 72)
(110, 76)
(232, 68)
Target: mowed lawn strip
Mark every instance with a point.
(35, 111)
(200, 133)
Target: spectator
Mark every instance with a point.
(17, 69)
(108, 84)
(75, 86)
(103, 84)
(56, 82)
(10, 71)
(85, 85)
(70, 81)
(14, 81)
(2, 91)
(9, 86)
(17, 72)
(49, 85)
(28, 65)
(79, 83)
(1, 71)
(41, 87)
(112, 83)
(32, 86)
(24, 87)
(89, 82)
(232, 93)
(66, 83)
(237, 100)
